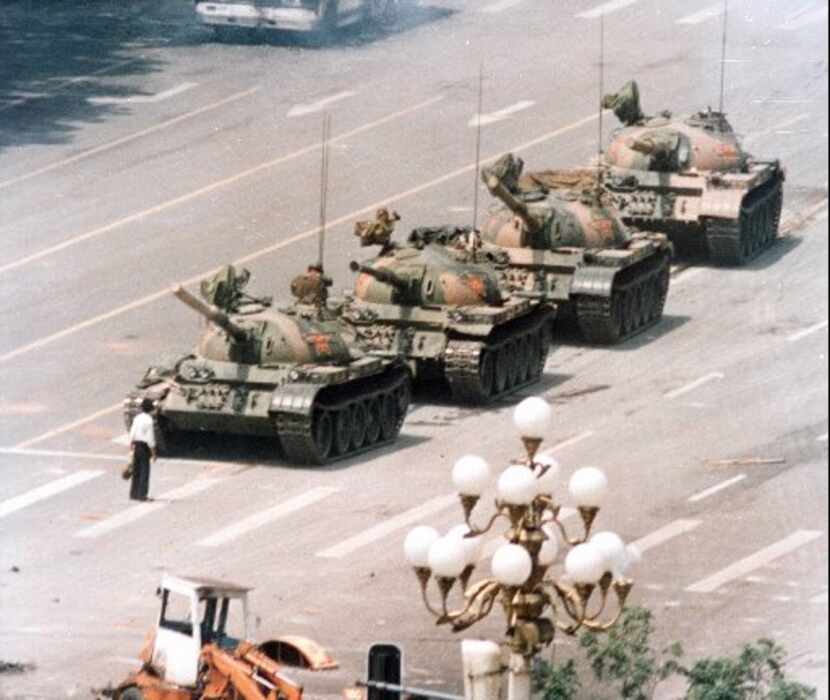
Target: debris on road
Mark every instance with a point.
(15, 667)
(745, 462)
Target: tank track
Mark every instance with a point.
(737, 241)
(636, 303)
(479, 372)
(381, 401)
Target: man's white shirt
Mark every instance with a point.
(142, 430)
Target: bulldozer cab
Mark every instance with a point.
(195, 612)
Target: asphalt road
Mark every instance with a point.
(135, 153)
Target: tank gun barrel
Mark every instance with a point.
(211, 313)
(518, 207)
(381, 275)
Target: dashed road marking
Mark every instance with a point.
(69, 426)
(691, 386)
(703, 15)
(263, 517)
(807, 331)
(53, 488)
(70, 81)
(194, 194)
(584, 435)
(803, 20)
(143, 301)
(666, 533)
(143, 99)
(500, 6)
(711, 491)
(605, 9)
(741, 568)
(134, 513)
(500, 115)
(128, 138)
(387, 527)
(311, 107)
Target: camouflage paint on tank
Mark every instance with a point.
(426, 276)
(691, 178)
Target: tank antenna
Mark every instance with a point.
(478, 144)
(723, 54)
(324, 177)
(601, 90)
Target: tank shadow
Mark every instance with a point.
(252, 451)
(568, 335)
(693, 256)
(345, 37)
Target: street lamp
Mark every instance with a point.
(535, 603)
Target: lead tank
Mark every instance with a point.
(297, 374)
(690, 177)
(562, 240)
(450, 319)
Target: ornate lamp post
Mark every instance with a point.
(535, 603)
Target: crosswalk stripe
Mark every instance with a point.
(53, 488)
(605, 9)
(712, 490)
(136, 512)
(387, 527)
(702, 15)
(263, 517)
(764, 556)
(664, 534)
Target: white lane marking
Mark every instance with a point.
(777, 128)
(605, 9)
(123, 439)
(664, 534)
(491, 545)
(796, 22)
(500, 6)
(137, 216)
(691, 386)
(796, 219)
(53, 488)
(584, 435)
(822, 438)
(500, 115)
(143, 99)
(128, 138)
(125, 517)
(311, 107)
(820, 599)
(387, 527)
(70, 81)
(143, 301)
(703, 15)
(807, 331)
(61, 454)
(263, 517)
(749, 564)
(711, 491)
(69, 426)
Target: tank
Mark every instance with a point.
(691, 178)
(298, 374)
(450, 319)
(561, 238)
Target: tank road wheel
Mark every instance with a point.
(501, 370)
(403, 395)
(524, 358)
(323, 435)
(388, 416)
(373, 414)
(360, 424)
(777, 201)
(662, 286)
(538, 352)
(342, 431)
(131, 693)
(512, 364)
(486, 373)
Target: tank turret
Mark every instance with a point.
(212, 314)
(513, 203)
(690, 177)
(382, 274)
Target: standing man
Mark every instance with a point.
(143, 444)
